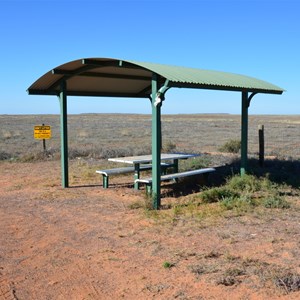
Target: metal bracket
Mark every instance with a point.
(160, 95)
(159, 98)
(250, 98)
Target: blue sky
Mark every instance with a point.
(259, 38)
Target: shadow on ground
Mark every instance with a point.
(276, 170)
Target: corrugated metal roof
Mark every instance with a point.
(126, 78)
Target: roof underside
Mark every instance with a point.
(124, 78)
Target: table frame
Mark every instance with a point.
(136, 161)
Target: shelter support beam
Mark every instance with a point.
(244, 131)
(64, 134)
(244, 138)
(156, 144)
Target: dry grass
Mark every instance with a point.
(69, 242)
(104, 135)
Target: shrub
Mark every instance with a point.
(242, 193)
(4, 155)
(232, 146)
(217, 194)
(168, 265)
(242, 203)
(136, 205)
(37, 156)
(276, 202)
(289, 282)
(169, 146)
(248, 183)
(195, 163)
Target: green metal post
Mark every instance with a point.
(64, 135)
(156, 144)
(244, 137)
(136, 175)
(175, 168)
(105, 182)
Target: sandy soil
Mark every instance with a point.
(85, 242)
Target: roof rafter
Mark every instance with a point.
(91, 94)
(115, 63)
(97, 74)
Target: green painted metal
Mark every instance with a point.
(244, 133)
(124, 78)
(149, 189)
(183, 77)
(107, 73)
(64, 135)
(136, 175)
(156, 144)
(175, 165)
(175, 168)
(105, 182)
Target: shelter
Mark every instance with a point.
(107, 77)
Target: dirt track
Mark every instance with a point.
(86, 243)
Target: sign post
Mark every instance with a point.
(42, 132)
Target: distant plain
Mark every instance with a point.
(105, 135)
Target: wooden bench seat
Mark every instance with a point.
(106, 173)
(148, 181)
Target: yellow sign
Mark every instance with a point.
(42, 132)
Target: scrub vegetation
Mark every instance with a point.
(224, 236)
(232, 146)
(101, 136)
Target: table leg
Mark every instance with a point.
(136, 175)
(175, 165)
(175, 168)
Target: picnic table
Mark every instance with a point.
(137, 161)
(141, 163)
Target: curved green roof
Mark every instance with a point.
(126, 78)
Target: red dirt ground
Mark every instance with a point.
(85, 242)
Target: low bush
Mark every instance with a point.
(168, 265)
(4, 155)
(195, 163)
(249, 183)
(39, 156)
(169, 146)
(232, 146)
(242, 193)
(289, 282)
(217, 194)
(242, 203)
(276, 202)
